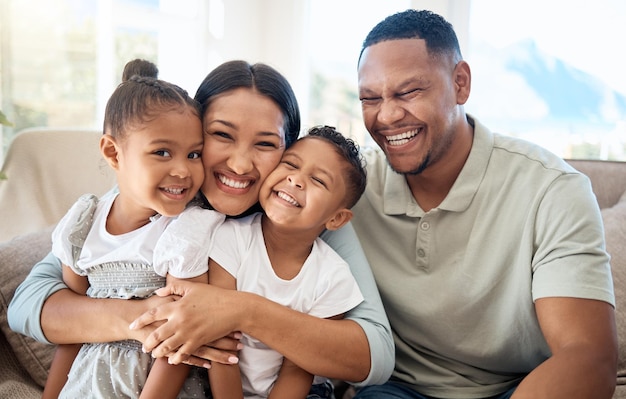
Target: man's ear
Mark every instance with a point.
(342, 217)
(463, 81)
(109, 150)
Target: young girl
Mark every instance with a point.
(126, 244)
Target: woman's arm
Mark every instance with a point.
(359, 348)
(369, 314)
(45, 309)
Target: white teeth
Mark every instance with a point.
(287, 198)
(403, 138)
(233, 183)
(176, 191)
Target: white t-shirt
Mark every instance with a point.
(324, 288)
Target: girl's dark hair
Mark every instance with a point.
(355, 174)
(438, 33)
(139, 67)
(140, 99)
(261, 77)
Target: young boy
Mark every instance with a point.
(277, 254)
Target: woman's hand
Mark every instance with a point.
(222, 350)
(197, 327)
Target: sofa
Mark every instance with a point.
(24, 362)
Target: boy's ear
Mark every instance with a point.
(342, 217)
(109, 151)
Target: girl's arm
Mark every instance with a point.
(225, 380)
(166, 380)
(358, 348)
(78, 284)
(65, 354)
(292, 382)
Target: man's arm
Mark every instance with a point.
(582, 336)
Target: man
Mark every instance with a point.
(488, 251)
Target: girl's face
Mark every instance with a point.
(244, 139)
(158, 165)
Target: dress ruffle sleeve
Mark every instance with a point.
(70, 233)
(183, 248)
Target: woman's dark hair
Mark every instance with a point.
(140, 99)
(265, 79)
(438, 33)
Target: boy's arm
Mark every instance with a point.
(225, 379)
(59, 369)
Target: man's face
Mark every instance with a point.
(409, 101)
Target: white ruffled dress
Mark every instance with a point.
(127, 266)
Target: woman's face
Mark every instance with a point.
(244, 140)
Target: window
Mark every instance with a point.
(545, 71)
(551, 72)
(61, 59)
(548, 72)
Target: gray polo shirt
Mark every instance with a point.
(459, 282)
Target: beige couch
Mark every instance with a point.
(24, 363)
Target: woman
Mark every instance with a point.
(250, 115)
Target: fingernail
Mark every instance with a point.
(233, 360)
(207, 365)
(239, 345)
(237, 335)
(133, 325)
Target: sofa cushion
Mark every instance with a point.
(17, 257)
(615, 232)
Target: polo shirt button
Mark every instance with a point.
(425, 225)
(421, 253)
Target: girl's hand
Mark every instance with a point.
(199, 323)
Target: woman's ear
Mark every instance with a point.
(342, 217)
(109, 150)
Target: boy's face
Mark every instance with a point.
(307, 189)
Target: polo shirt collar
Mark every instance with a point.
(398, 200)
